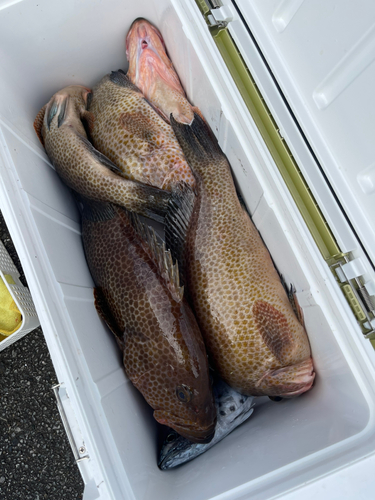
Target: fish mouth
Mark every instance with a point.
(194, 435)
(194, 432)
(287, 382)
(150, 66)
(143, 30)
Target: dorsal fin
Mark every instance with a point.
(162, 257)
(292, 296)
(181, 205)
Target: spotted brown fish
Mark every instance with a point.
(138, 295)
(128, 130)
(59, 126)
(252, 334)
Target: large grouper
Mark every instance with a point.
(139, 297)
(60, 128)
(253, 336)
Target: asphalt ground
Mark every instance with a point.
(36, 461)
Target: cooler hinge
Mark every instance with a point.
(360, 294)
(215, 14)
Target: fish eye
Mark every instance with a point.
(184, 393)
(171, 437)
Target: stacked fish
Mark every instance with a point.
(135, 145)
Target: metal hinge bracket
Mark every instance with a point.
(359, 294)
(80, 453)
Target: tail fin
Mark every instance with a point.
(119, 78)
(197, 141)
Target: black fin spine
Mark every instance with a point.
(89, 97)
(161, 256)
(177, 221)
(185, 135)
(205, 136)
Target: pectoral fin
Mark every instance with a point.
(139, 125)
(274, 329)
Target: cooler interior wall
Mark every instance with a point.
(48, 45)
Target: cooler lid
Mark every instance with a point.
(322, 54)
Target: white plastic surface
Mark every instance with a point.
(283, 446)
(22, 298)
(322, 55)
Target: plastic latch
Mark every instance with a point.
(223, 14)
(354, 269)
(370, 324)
(370, 287)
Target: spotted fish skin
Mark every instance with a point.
(152, 71)
(60, 129)
(128, 130)
(138, 296)
(252, 334)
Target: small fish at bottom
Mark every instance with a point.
(232, 410)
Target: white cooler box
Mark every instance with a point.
(295, 115)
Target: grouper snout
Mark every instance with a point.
(151, 70)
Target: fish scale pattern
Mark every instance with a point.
(163, 350)
(252, 334)
(134, 136)
(80, 166)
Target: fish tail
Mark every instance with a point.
(147, 200)
(197, 141)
